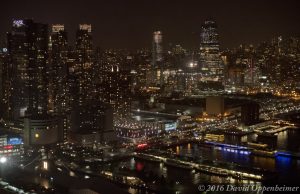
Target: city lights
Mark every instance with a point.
(3, 159)
(45, 165)
(149, 97)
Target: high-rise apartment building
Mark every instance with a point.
(5, 83)
(209, 51)
(58, 50)
(117, 91)
(84, 62)
(28, 49)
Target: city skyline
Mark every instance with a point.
(130, 24)
(144, 97)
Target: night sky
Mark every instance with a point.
(130, 23)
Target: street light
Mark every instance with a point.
(3, 160)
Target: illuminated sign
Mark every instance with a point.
(170, 126)
(18, 23)
(14, 141)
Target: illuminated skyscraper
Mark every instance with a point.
(157, 58)
(209, 50)
(157, 50)
(5, 83)
(28, 52)
(28, 49)
(59, 98)
(58, 50)
(117, 91)
(84, 62)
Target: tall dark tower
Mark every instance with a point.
(209, 50)
(5, 83)
(84, 62)
(58, 49)
(28, 49)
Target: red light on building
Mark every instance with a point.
(143, 145)
(8, 147)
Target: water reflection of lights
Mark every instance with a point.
(164, 171)
(284, 161)
(177, 150)
(196, 178)
(72, 173)
(132, 190)
(139, 166)
(161, 165)
(45, 183)
(132, 164)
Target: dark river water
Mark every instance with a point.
(187, 181)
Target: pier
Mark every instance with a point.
(209, 169)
